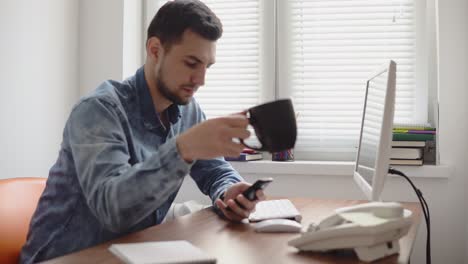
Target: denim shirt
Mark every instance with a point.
(118, 171)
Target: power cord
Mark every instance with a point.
(425, 210)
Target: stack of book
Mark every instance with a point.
(246, 155)
(413, 145)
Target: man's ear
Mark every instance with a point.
(154, 49)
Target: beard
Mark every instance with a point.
(167, 93)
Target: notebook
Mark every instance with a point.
(178, 251)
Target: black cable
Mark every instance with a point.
(425, 209)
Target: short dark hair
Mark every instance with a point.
(174, 17)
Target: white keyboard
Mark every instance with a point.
(273, 209)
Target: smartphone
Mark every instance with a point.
(258, 185)
(249, 193)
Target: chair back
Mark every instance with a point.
(18, 201)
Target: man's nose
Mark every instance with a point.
(199, 77)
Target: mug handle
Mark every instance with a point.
(250, 147)
(247, 114)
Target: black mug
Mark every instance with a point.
(274, 124)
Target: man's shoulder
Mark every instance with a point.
(109, 92)
(103, 103)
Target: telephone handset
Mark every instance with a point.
(371, 229)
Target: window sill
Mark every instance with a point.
(336, 168)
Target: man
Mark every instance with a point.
(127, 147)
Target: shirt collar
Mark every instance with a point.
(150, 118)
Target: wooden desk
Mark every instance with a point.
(239, 243)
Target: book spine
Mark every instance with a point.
(406, 153)
(412, 137)
(245, 157)
(414, 128)
(408, 144)
(404, 162)
(239, 158)
(414, 131)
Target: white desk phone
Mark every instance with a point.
(371, 229)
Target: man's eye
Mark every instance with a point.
(191, 64)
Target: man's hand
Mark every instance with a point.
(213, 138)
(236, 212)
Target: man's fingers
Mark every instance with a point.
(236, 209)
(237, 133)
(243, 112)
(239, 204)
(228, 214)
(248, 205)
(236, 120)
(233, 149)
(223, 207)
(260, 195)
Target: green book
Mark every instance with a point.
(412, 137)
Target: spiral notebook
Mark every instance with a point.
(178, 251)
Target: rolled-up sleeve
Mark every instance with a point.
(214, 176)
(119, 193)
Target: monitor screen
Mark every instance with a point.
(372, 160)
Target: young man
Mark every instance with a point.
(128, 146)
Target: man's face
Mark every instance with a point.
(182, 69)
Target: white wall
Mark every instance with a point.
(38, 82)
(110, 41)
(466, 146)
(133, 32)
(101, 42)
(52, 52)
(453, 46)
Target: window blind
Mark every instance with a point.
(333, 46)
(233, 83)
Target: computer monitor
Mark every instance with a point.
(373, 156)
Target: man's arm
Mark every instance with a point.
(214, 177)
(223, 184)
(118, 193)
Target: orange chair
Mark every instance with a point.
(18, 201)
